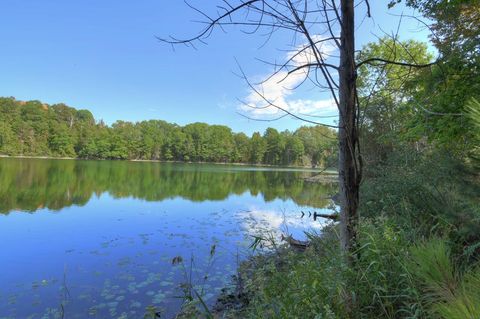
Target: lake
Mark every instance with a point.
(96, 239)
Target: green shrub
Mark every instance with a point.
(383, 285)
(298, 285)
(411, 198)
(429, 194)
(449, 293)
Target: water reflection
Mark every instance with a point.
(31, 184)
(110, 231)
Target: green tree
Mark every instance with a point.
(241, 150)
(320, 146)
(257, 148)
(220, 144)
(102, 142)
(8, 145)
(294, 149)
(387, 94)
(445, 93)
(275, 145)
(126, 140)
(198, 133)
(60, 140)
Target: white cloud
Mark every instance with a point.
(278, 89)
(260, 222)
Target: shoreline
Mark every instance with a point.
(38, 157)
(302, 168)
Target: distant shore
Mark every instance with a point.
(323, 171)
(37, 157)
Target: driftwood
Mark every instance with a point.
(296, 244)
(333, 217)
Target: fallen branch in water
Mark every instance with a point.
(299, 245)
(333, 217)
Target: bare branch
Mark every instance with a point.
(369, 14)
(213, 22)
(372, 61)
(270, 103)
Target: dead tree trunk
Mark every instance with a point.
(347, 133)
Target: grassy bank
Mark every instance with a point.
(418, 254)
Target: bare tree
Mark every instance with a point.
(313, 24)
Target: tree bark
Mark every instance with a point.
(347, 134)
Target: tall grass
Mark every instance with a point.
(418, 253)
(448, 292)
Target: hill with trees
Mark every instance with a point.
(33, 128)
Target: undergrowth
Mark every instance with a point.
(418, 255)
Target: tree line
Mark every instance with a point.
(33, 128)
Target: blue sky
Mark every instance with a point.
(103, 56)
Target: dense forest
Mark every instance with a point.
(36, 129)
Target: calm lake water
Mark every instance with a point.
(98, 237)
